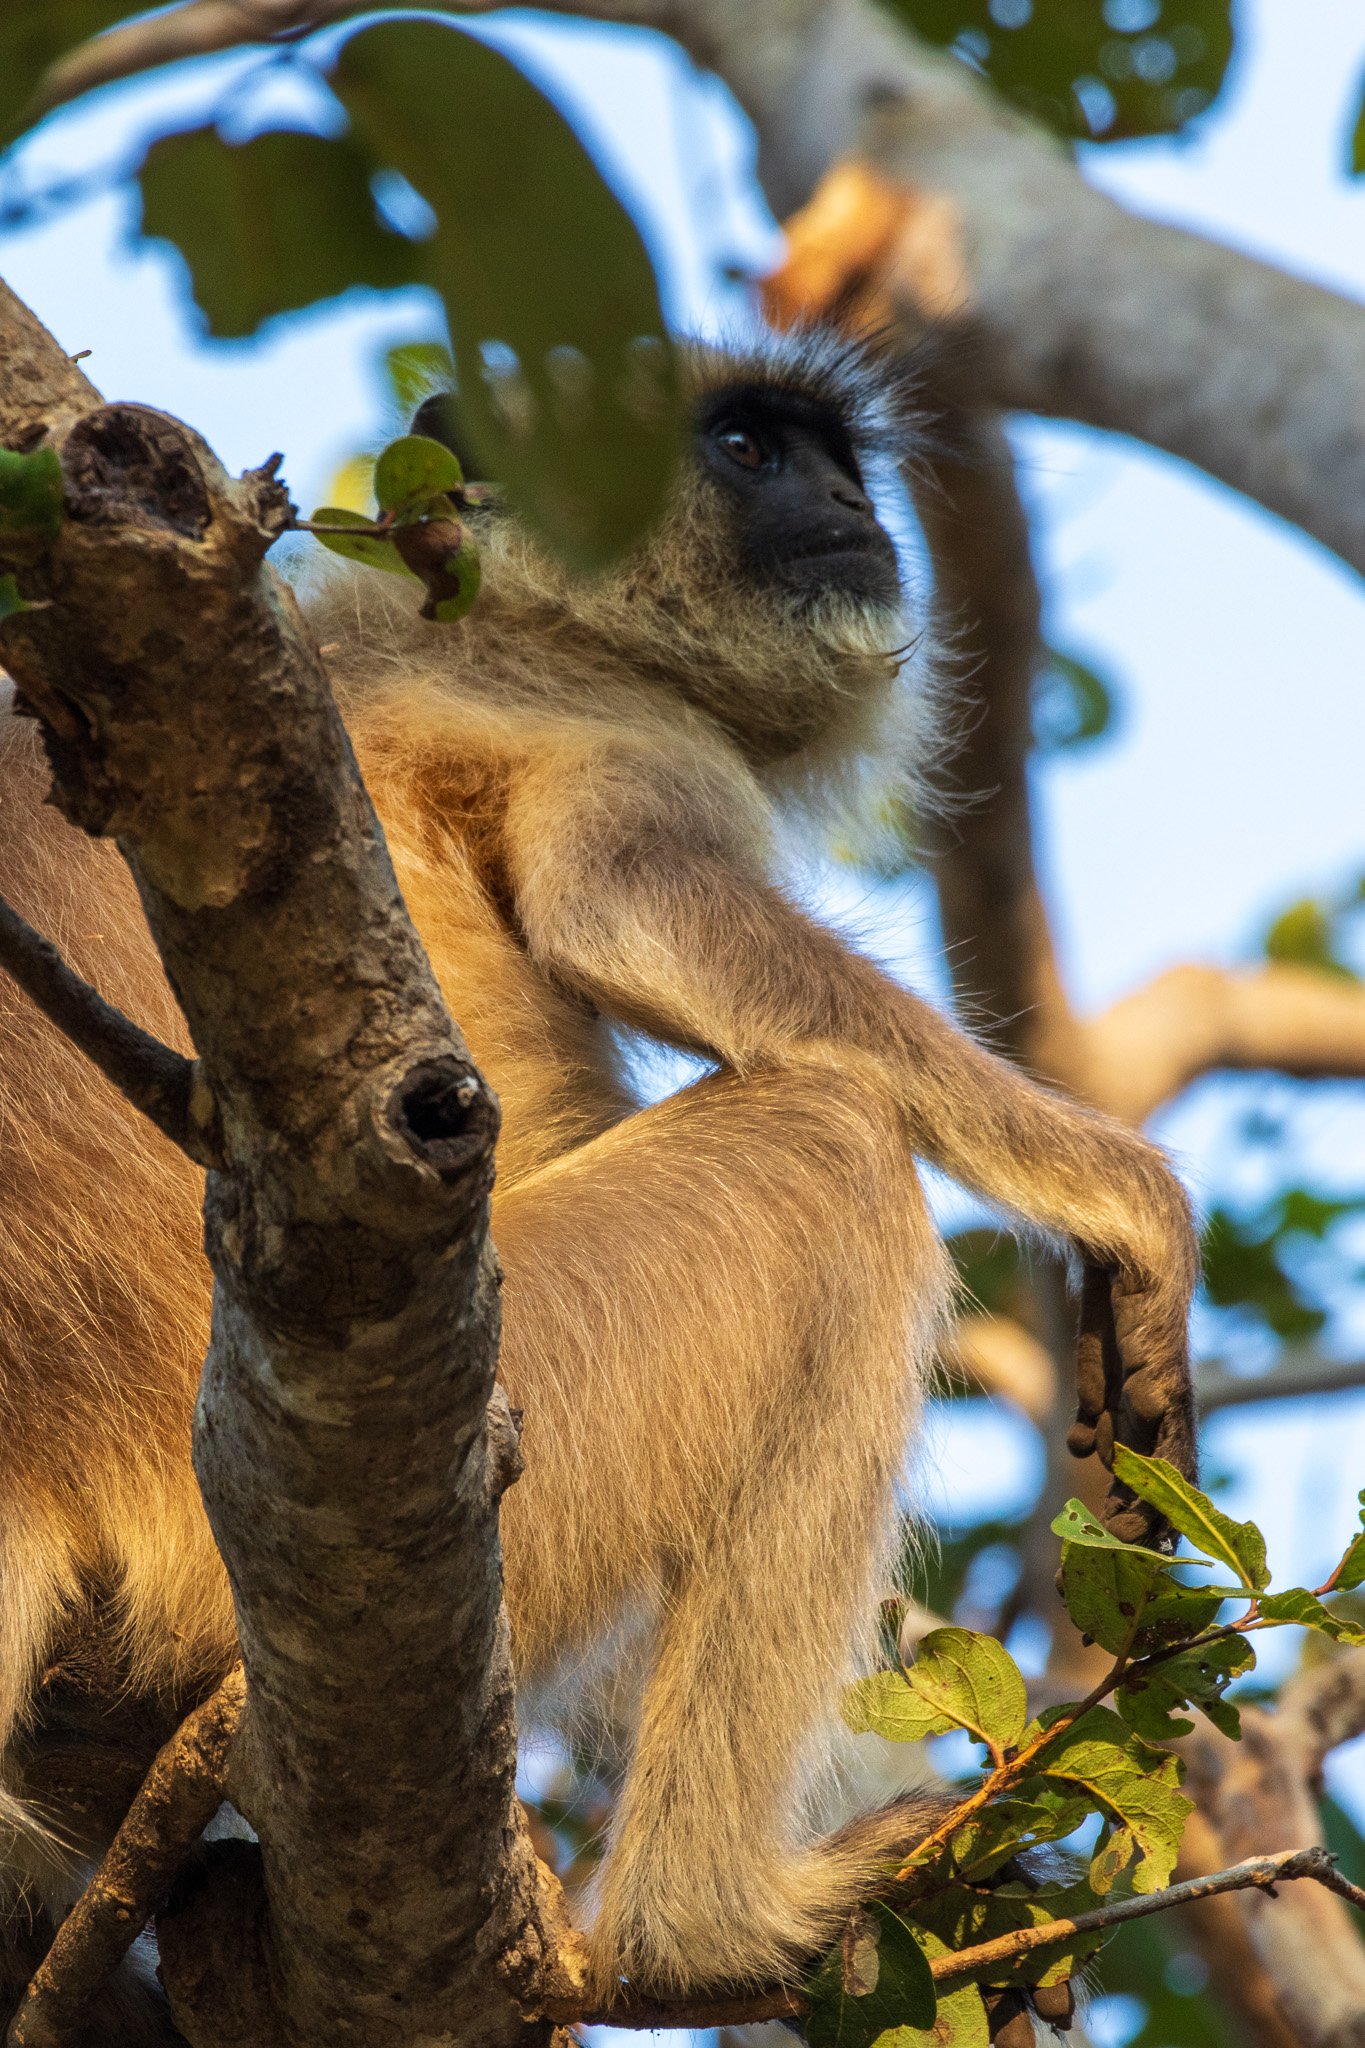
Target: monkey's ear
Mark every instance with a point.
(438, 418)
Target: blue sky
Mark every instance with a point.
(1236, 645)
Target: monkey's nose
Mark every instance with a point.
(845, 494)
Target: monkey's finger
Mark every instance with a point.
(1096, 1358)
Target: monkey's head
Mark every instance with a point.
(769, 596)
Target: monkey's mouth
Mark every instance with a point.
(868, 575)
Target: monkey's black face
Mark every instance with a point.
(804, 521)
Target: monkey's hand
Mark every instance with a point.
(1133, 1384)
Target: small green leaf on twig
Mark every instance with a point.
(1301, 1606)
(1148, 1699)
(31, 502)
(363, 543)
(1076, 1524)
(414, 470)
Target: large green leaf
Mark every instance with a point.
(270, 225)
(1138, 1786)
(1180, 1502)
(1107, 1591)
(958, 1680)
(875, 1978)
(1097, 70)
(960, 1917)
(567, 382)
(1356, 154)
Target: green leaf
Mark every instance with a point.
(1089, 73)
(886, 1705)
(1356, 160)
(1178, 1613)
(959, 2022)
(1107, 1590)
(412, 471)
(11, 600)
(972, 1681)
(367, 546)
(1138, 1786)
(1076, 1524)
(1071, 704)
(576, 407)
(1351, 1571)
(466, 571)
(33, 34)
(1306, 936)
(960, 1918)
(1239, 1544)
(1035, 1812)
(1301, 1606)
(270, 225)
(1147, 1700)
(31, 503)
(877, 1977)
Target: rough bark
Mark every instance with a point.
(342, 1440)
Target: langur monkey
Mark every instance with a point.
(720, 1309)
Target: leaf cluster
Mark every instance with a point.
(1100, 1765)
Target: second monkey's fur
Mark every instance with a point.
(719, 1310)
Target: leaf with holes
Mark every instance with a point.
(568, 383)
(1135, 67)
(31, 503)
(1148, 1699)
(1193, 1514)
(1076, 1524)
(1107, 1590)
(876, 1977)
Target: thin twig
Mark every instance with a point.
(782, 2002)
(163, 1084)
(1260, 1873)
(177, 1800)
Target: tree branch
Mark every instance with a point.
(1195, 1020)
(163, 1084)
(1301, 1371)
(179, 1797)
(343, 1418)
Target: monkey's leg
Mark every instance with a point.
(716, 1320)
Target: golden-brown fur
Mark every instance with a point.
(719, 1309)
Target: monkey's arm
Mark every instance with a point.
(634, 886)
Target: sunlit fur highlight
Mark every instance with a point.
(719, 1309)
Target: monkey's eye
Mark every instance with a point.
(741, 445)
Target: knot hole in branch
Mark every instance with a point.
(131, 460)
(446, 1115)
